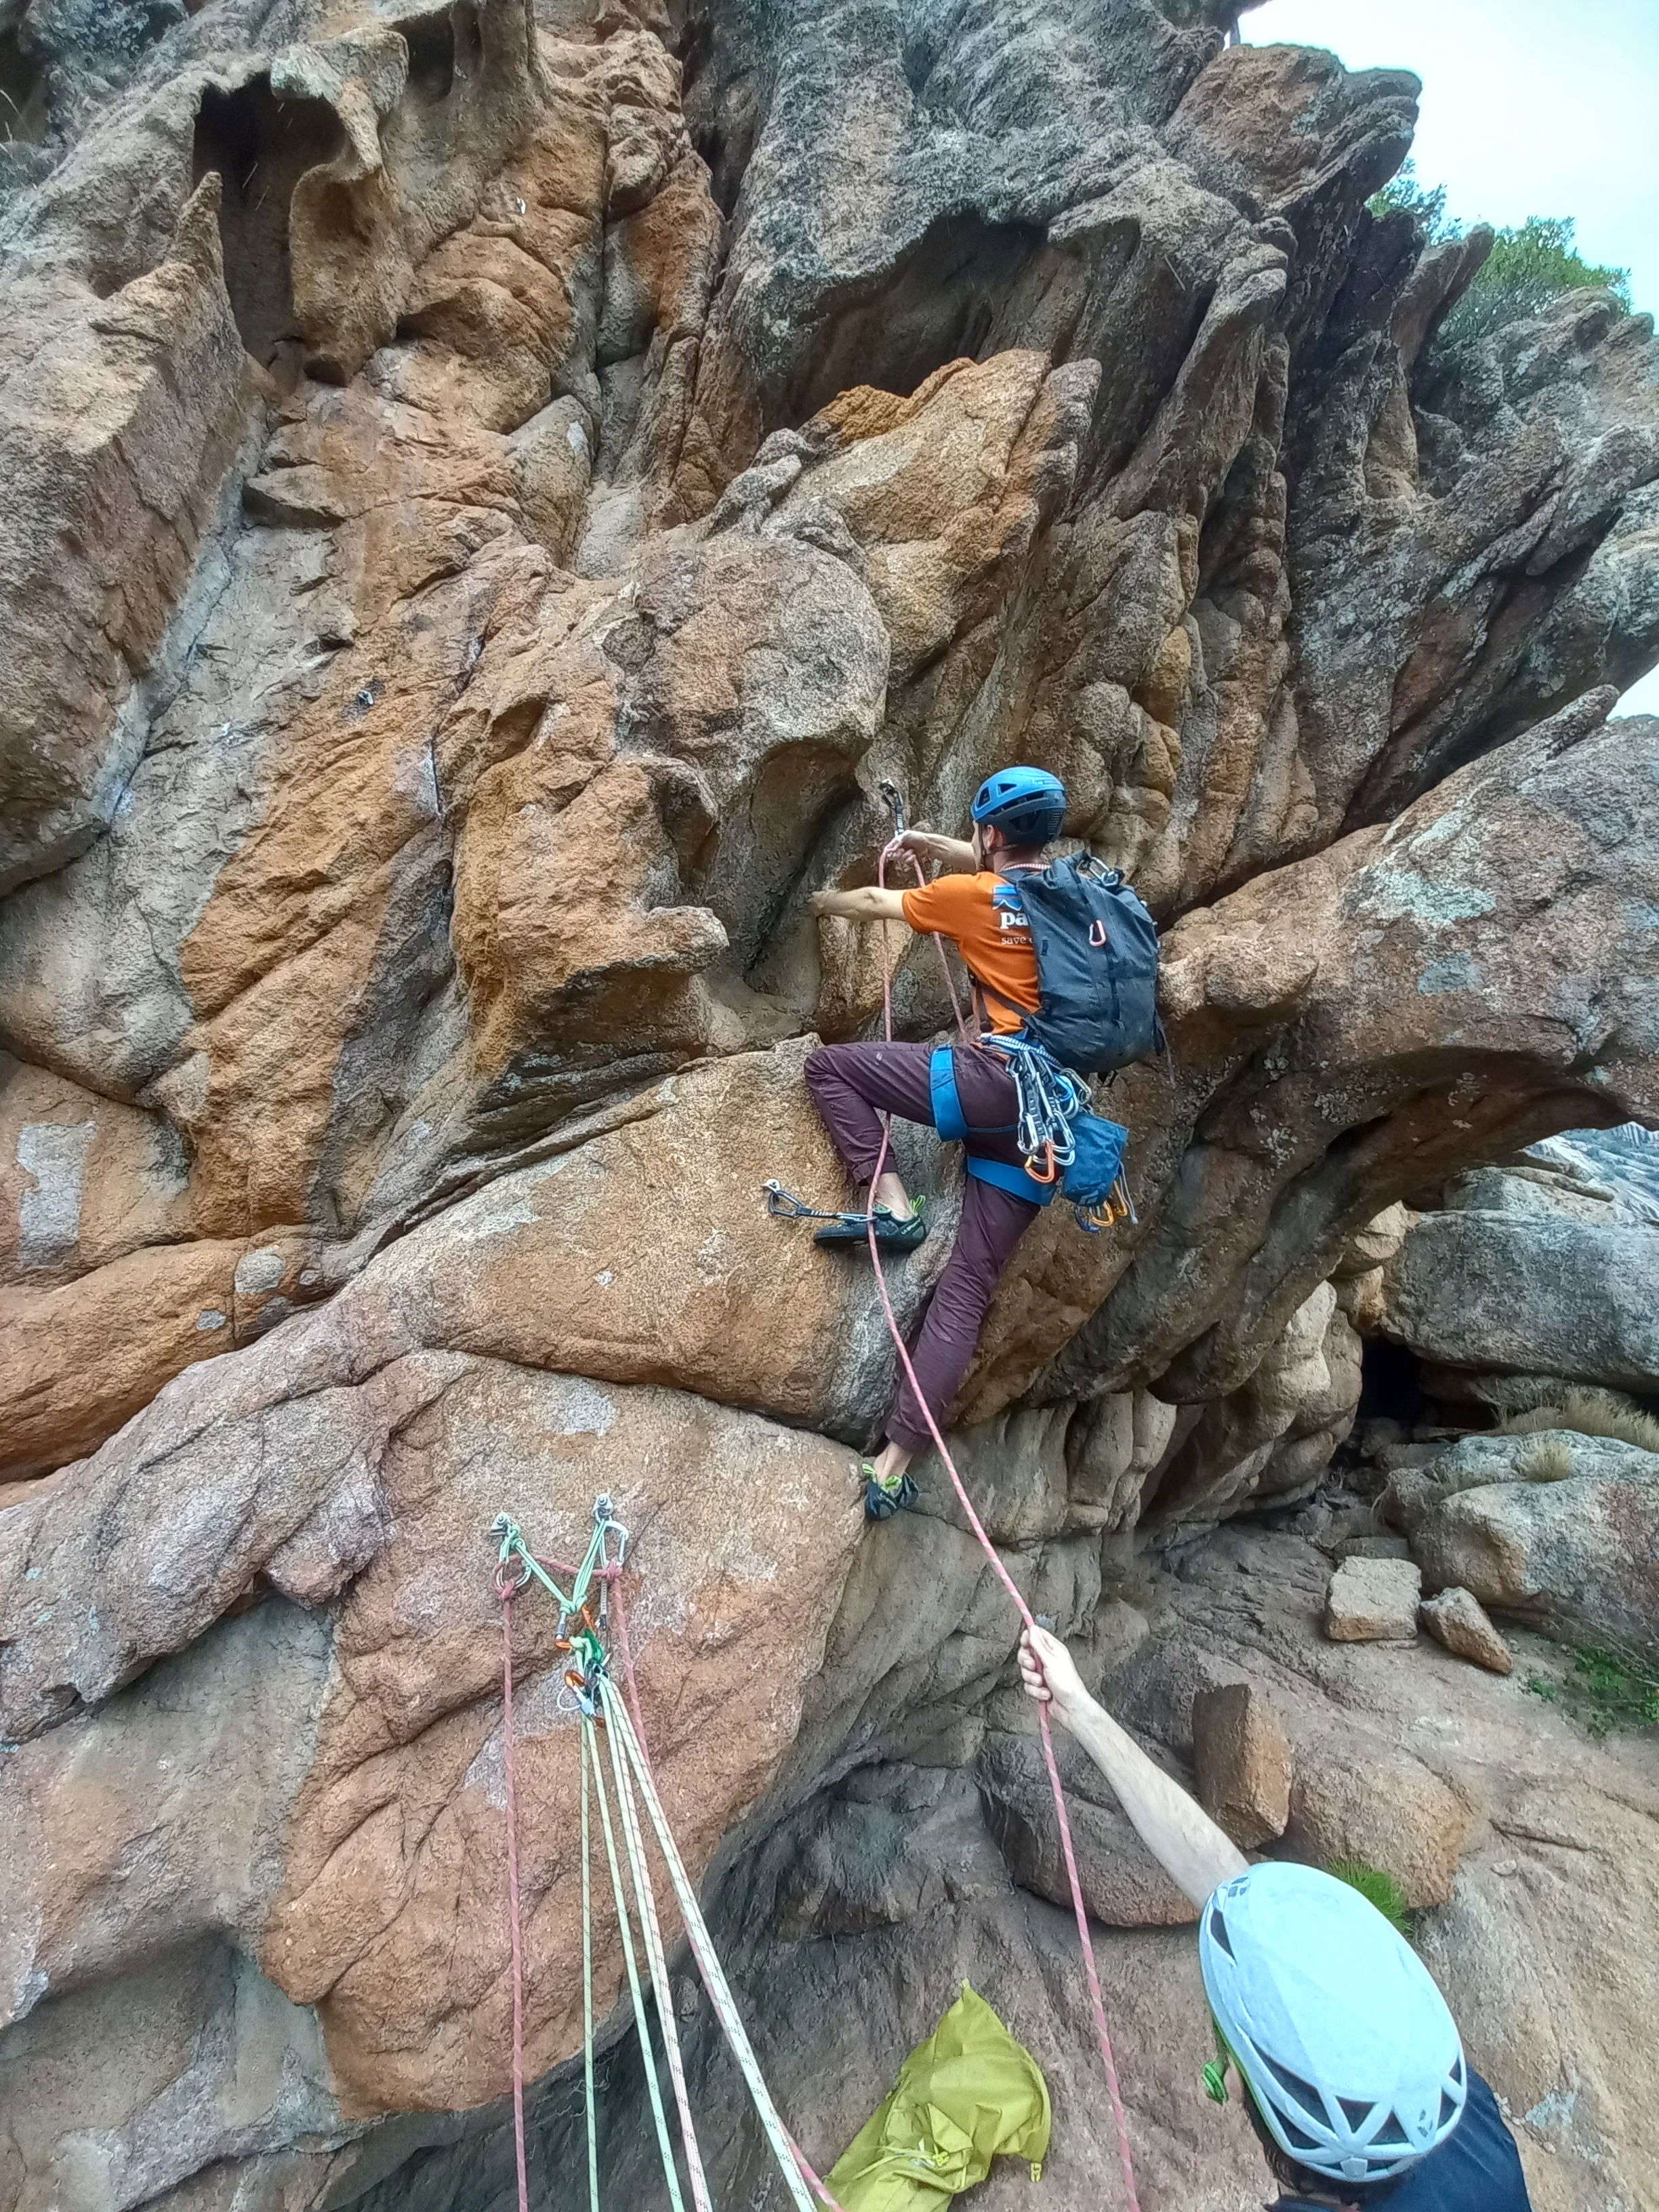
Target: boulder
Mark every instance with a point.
(1537, 1293)
(1357, 1797)
(1242, 1763)
(1578, 1556)
(1374, 1245)
(1458, 1619)
(1372, 1601)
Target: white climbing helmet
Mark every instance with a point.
(1342, 2038)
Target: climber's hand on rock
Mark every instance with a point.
(1048, 1675)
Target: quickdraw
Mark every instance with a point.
(783, 1205)
(1116, 1205)
(1050, 1099)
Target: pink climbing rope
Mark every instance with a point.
(505, 1590)
(1098, 2002)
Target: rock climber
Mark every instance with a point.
(1016, 813)
(1354, 2073)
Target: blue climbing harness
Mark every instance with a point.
(1081, 1151)
(952, 1123)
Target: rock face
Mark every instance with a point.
(1242, 1763)
(1123, 1885)
(495, 494)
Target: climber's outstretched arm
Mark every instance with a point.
(1174, 1828)
(866, 903)
(949, 852)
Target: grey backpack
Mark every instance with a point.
(1097, 956)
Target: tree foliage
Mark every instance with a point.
(1404, 195)
(1528, 267)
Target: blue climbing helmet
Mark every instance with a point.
(1027, 804)
(1351, 2056)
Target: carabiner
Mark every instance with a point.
(605, 1521)
(1049, 1171)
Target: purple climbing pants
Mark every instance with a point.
(852, 1086)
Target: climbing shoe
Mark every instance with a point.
(881, 1502)
(892, 1235)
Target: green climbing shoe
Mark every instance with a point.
(892, 1235)
(882, 1500)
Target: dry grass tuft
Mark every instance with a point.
(1549, 1460)
(1590, 1412)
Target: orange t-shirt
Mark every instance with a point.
(982, 916)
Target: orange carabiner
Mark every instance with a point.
(1049, 1171)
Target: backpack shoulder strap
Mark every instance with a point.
(989, 991)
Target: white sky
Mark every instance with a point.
(1528, 108)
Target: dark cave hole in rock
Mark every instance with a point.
(22, 92)
(261, 146)
(723, 116)
(966, 287)
(1390, 1384)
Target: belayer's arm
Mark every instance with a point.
(1174, 1828)
(866, 903)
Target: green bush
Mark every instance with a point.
(1378, 1889)
(1403, 195)
(1526, 268)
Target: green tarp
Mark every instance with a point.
(967, 2095)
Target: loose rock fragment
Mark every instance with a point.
(1458, 1619)
(1243, 1762)
(1373, 1601)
